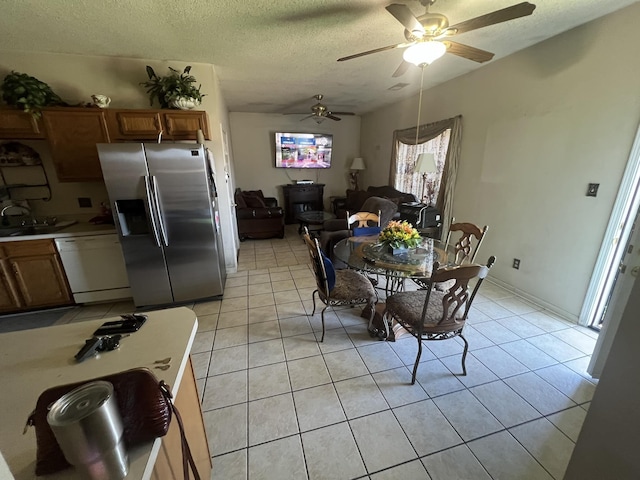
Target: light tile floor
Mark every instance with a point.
(279, 405)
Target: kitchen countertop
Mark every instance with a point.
(82, 228)
(33, 360)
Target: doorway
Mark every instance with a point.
(617, 265)
(615, 242)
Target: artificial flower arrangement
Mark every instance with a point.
(399, 235)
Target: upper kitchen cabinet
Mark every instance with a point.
(73, 134)
(15, 124)
(147, 124)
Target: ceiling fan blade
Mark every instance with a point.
(295, 113)
(401, 70)
(340, 113)
(308, 116)
(465, 51)
(376, 50)
(515, 11)
(403, 14)
(337, 119)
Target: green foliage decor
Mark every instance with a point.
(171, 86)
(29, 93)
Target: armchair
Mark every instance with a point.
(258, 216)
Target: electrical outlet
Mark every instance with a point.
(592, 189)
(516, 263)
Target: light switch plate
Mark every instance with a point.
(592, 189)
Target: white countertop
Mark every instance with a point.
(33, 360)
(75, 230)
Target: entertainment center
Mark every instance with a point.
(301, 198)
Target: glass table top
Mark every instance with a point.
(366, 254)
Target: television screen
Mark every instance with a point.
(303, 150)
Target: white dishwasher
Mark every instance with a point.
(95, 267)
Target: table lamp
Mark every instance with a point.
(356, 165)
(426, 164)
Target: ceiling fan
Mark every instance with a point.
(320, 111)
(427, 35)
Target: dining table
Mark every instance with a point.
(367, 255)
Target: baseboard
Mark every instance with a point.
(533, 299)
(102, 295)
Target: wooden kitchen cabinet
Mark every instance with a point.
(33, 274)
(73, 134)
(15, 124)
(147, 124)
(168, 465)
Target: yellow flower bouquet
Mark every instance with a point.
(397, 235)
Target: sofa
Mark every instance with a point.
(258, 216)
(354, 199)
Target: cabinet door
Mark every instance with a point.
(169, 462)
(15, 124)
(134, 124)
(183, 124)
(41, 280)
(9, 296)
(73, 134)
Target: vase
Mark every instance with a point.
(397, 250)
(184, 103)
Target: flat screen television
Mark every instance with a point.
(303, 150)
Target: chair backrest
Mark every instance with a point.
(364, 219)
(457, 297)
(465, 250)
(317, 263)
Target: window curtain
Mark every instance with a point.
(448, 181)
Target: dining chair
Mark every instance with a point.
(364, 223)
(465, 248)
(430, 314)
(337, 287)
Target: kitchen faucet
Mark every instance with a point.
(5, 220)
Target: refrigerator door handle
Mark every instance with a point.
(163, 228)
(152, 210)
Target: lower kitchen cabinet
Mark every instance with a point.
(32, 275)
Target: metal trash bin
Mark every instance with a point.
(87, 425)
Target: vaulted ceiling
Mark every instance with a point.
(274, 55)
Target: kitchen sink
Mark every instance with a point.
(37, 229)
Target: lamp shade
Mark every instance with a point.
(424, 53)
(426, 163)
(357, 164)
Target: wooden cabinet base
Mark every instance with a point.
(169, 462)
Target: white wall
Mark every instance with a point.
(538, 126)
(253, 139)
(75, 78)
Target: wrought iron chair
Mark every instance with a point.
(433, 315)
(337, 287)
(465, 249)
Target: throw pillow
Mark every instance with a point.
(253, 201)
(330, 271)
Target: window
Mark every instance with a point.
(424, 186)
(443, 139)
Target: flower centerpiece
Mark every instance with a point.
(399, 236)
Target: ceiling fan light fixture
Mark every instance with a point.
(319, 120)
(424, 53)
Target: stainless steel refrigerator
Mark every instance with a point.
(164, 201)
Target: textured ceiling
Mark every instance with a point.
(274, 55)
